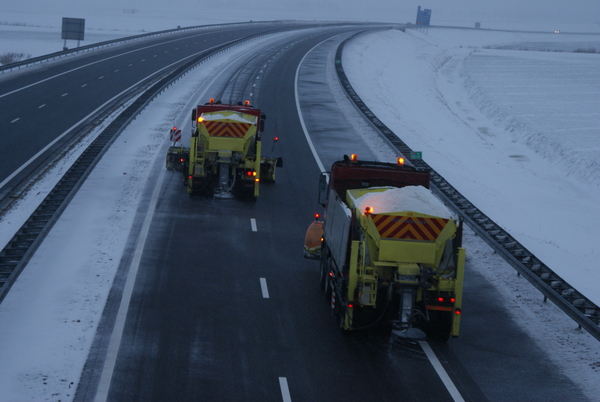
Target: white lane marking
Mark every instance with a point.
(14, 121)
(285, 391)
(41, 106)
(65, 94)
(263, 287)
(117, 334)
(253, 224)
(310, 144)
(84, 85)
(441, 372)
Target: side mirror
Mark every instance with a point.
(323, 187)
(263, 117)
(194, 114)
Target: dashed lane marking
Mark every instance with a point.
(263, 287)
(285, 391)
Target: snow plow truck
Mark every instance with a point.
(390, 252)
(224, 157)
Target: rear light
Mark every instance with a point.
(257, 180)
(350, 305)
(441, 299)
(458, 311)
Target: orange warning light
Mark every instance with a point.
(354, 157)
(368, 210)
(400, 161)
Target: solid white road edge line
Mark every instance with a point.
(253, 224)
(310, 144)
(263, 287)
(117, 334)
(285, 391)
(441, 372)
(426, 348)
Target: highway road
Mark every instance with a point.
(224, 307)
(45, 107)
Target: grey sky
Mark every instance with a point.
(444, 12)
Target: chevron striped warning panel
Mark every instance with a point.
(408, 227)
(226, 129)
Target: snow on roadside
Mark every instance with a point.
(415, 84)
(55, 305)
(423, 87)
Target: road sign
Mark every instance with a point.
(423, 16)
(416, 155)
(73, 28)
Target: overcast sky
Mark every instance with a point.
(444, 12)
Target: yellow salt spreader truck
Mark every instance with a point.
(390, 252)
(224, 157)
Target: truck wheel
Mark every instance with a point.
(440, 326)
(327, 287)
(341, 316)
(323, 272)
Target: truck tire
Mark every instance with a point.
(324, 269)
(440, 326)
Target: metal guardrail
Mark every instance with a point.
(582, 310)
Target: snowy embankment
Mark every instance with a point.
(517, 132)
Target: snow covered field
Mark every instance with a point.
(518, 132)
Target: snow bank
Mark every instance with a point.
(410, 198)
